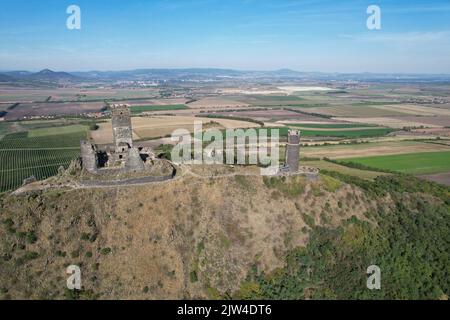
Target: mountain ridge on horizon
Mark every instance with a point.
(144, 74)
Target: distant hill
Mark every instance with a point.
(50, 75)
(45, 75)
(18, 74)
(6, 78)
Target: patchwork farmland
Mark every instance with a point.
(333, 123)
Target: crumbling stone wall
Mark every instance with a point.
(134, 161)
(88, 156)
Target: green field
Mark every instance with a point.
(22, 156)
(42, 132)
(326, 165)
(331, 125)
(139, 109)
(4, 128)
(21, 140)
(412, 163)
(363, 133)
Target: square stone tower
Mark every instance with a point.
(293, 150)
(122, 131)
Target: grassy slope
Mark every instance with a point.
(202, 241)
(246, 236)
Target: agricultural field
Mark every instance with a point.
(343, 151)
(145, 108)
(14, 94)
(49, 131)
(394, 122)
(275, 114)
(412, 163)
(416, 110)
(217, 102)
(321, 113)
(271, 100)
(330, 166)
(331, 126)
(22, 155)
(161, 126)
(355, 111)
(354, 133)
(51, 108)
(7, 127)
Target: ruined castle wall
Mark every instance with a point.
(134, 161)
(88, 156)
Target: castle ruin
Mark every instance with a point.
(121, 154)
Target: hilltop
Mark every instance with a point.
(206, 235)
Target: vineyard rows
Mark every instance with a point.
(22, 157)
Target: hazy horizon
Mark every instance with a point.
(217, 68)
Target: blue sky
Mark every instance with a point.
(305, 35)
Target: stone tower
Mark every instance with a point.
(88, 156)
(293, 150)
(122, 132)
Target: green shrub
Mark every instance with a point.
(289, 186)
(105, 251)
(31, 237)
(85, 236)
(331, 184)
(193, 276)
(308, 220)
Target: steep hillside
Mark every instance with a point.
(193, 237)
